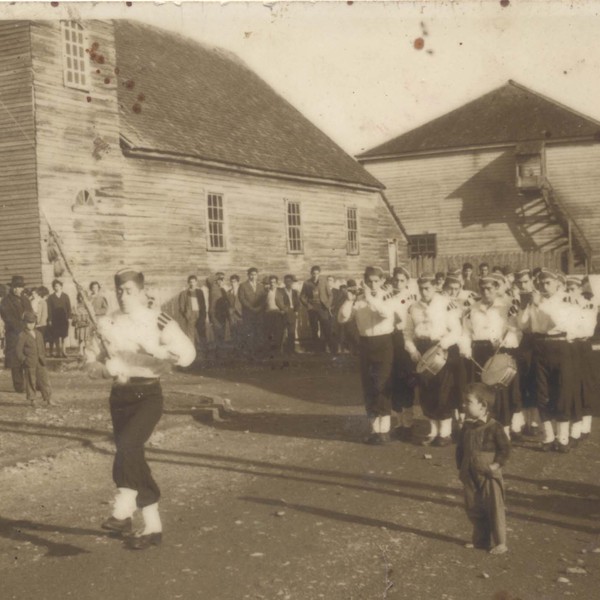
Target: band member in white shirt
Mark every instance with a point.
(431, 322)
(375, 318)
(491, 326)
(142, 344)
(403, 369)
(585, 322)
(549, 317)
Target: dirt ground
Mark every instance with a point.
(278, 500)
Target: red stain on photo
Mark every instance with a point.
(117, 70)
(141, 97)
(88, 98)
(107, 80)
(54, 4)
(419, 43)
(137, 108)
(130, 84)
(504, 3)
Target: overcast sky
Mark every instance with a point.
(353, 69)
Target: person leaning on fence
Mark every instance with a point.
(375, 318)
(482, 450)
(13, 307)
(31, 354)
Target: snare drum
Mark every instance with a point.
(499, 370)
(432, 361)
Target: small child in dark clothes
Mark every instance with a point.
(31, 354)
(482, 450)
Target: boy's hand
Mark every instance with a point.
(494, 468)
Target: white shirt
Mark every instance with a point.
(585, 315)
(373, 315)
(271, 304)
(194, 300)
(551, 316)
(434, 320)
(402, 302)
(491, 323)
(140, 343)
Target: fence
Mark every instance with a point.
(515, 260)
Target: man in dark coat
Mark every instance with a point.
(252, 295)
(317, 297)
(288, 301)
(12, 309)
(192, 311)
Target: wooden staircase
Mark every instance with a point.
(544, 224)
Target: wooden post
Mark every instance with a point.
(570, 259)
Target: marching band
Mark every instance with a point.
(526, 336)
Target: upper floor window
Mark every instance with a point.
(75, 62)
(294, 227)
(84, 198)
(216, 222)
(422, 245)
(352, 230)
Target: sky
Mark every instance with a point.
(353, 68)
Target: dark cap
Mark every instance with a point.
(29, 317)
(129, 274)
(17, 281)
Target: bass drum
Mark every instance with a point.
(499, 371)
(432, 361)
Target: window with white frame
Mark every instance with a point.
(352, 230)
(75, 61)
(294, 227)
(216, 222)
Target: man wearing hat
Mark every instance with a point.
(139, 345)
(524, 288)
(491, 327)
(431, 322)
(12, 309)
(586, 316)
(375, 318)
(403, 369)
(550, 318)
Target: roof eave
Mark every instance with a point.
(152, 154)
(456, 149)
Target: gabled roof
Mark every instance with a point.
(205, 103)
(507, 115)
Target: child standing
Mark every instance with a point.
(31, 354)
(81, 323)
(482, 450)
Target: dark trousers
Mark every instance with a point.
(289, 328)
(437, 393)
(18, 379)
(403, 375)
(376, 356)
(557, 375)
(320, 321)
(135, 410)
(526, 371)
(274, 330)
(484, 502)
(253, 325)
(36, 378)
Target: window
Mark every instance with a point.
(84, 198)
(352, 230)
(294, 227)
(74, 58)
(422, 245)
(216, 222)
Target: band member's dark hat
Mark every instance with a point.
(129, 274)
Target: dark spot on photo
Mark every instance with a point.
(419, 43)
(137, 108)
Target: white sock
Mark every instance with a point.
(445, 428)
(576, 429)
(124, 503)
(407, 417)
(562, 432)
(384, 424)
(586, 424)
(517, 422)
(373, 424)
(433, 428)
(152, 522)
(548, 432)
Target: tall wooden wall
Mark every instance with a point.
(19, 219)
(468, 199)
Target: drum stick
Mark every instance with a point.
(477, 364)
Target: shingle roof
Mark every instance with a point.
(205, 103)
(509, 114)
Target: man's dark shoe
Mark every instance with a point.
(404, 434)
(547, 446)
(378, 439)
(141, 542)
(562, 448)
(440, 442)
(516, 436)
(122, 526)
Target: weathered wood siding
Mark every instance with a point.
(78, 149)
(468, 199)
(19, 219)
(574, 173)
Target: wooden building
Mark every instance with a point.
(510, 172)
(143, 147)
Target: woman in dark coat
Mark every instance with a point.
(59, 313)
